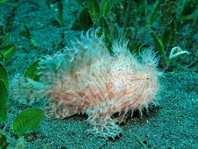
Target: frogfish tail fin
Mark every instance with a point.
(26, 90)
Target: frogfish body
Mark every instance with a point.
(86, 79)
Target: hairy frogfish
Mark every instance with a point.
(85, 78)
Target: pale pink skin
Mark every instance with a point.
(83, 100)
